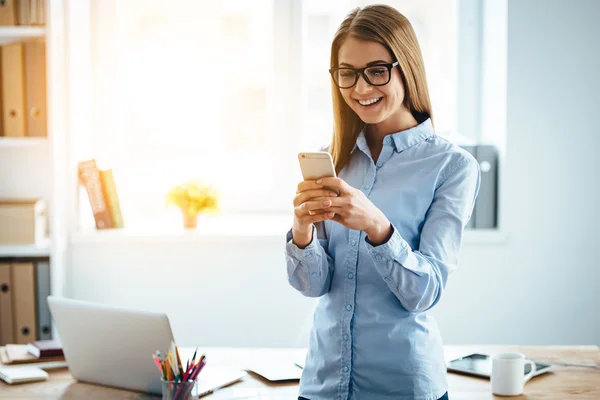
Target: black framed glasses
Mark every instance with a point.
(375, 75)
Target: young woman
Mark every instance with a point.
(379, 254)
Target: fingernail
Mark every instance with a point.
(330, 215)
(331, 194)
(319, 181)
(326, 203)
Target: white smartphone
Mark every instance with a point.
(315, 165)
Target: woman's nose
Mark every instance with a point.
(362, 86)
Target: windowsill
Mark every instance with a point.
(223, 227)
(170, 229)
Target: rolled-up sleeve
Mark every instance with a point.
(310, 269)
(418, 277)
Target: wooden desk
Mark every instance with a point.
(566, 382)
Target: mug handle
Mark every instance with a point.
(530, 374)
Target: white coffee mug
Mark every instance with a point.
(508, 371)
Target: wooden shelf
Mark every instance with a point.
(22, 141)
(26, 250)
(16, 34)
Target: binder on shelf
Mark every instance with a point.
(13, 95)
(486, 211)
(8, 12)
(30, 12)
(36, 12)
(6, 313)
(24, 315)
(23, 11)
(35, 88)
(89, 176)
(112, 199)
(42, 279)
(473, 150)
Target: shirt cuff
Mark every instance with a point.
(394, 249)
(297, 252)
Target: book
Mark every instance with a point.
(45, 348)
(14, 354)
(89, 176)
(112, 199)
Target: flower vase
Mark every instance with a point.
(189, 221)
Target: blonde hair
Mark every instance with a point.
(384, 25)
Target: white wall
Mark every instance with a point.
(541, 287)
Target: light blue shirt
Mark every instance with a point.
(372, 337)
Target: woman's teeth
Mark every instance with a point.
(369, 102)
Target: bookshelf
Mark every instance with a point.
(19, 34)
(27, 250)
(7, 142)
(32, 167)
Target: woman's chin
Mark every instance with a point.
(370, 118)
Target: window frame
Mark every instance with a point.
(473, 99)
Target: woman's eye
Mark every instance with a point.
(346, 73)
(377, 71)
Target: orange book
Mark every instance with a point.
(89, 176)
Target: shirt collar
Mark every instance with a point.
(401, 140)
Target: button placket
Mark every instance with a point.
(349, 297)
(369, 180)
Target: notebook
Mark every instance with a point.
(22, 374)
(276, 370)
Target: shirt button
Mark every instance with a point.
(314, 274)
(367, 187)
(346, 337)
(378, 257)
(353, 243)
(345, 369)
(350, 275)
(348, 307)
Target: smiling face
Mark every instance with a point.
(375, 105)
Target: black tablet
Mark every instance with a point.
(478, 364)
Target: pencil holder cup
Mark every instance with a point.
(178, 390)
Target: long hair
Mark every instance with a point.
(385, 25)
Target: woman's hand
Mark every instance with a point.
(354, 210)
(308, 209)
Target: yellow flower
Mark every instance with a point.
(193, 198)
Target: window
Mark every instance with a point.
(228, 92)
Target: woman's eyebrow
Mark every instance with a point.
(368, 64)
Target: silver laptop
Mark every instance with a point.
(113, 346)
